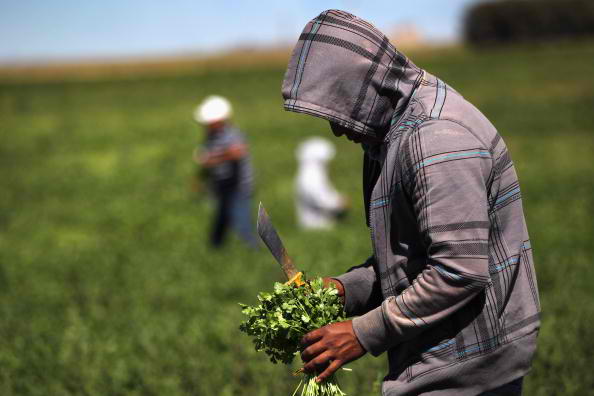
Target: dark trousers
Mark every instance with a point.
(233, 211)
(513, 388)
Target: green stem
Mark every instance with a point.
(296, 389)
(329, 387)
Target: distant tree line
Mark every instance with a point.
(507, 21)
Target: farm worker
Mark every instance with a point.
(225, 159)
(450, 290)
(318, 203)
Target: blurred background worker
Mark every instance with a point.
(225, 160)
(319, 205)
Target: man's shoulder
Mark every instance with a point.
(226, 137)
(233, 134)
(439, 135)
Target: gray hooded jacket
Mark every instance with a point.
(450, 291)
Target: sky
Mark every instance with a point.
(42, 30)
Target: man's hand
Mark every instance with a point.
(338, 284)
(328, 348)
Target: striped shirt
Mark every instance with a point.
(235, 175)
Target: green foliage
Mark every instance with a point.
(284, 316)
(107, 286)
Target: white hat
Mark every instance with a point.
(315, 149)
(213, 108)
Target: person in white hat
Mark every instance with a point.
(225, 160)
(318, 203)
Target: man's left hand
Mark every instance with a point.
(328, 348)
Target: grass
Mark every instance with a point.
(107, 286)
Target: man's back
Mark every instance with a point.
(452, 244)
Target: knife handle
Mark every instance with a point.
(297, 279)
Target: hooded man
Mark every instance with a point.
(318, 203)
(450, 291)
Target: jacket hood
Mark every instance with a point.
(345, 70)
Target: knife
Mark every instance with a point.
(271, 239)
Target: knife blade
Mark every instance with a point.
(272, 240)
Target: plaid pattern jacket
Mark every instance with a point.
(450, 290)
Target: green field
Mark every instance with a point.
(107, 286)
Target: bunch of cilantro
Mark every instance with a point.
(284, 316)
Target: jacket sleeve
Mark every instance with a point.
(445, 180)
(361, 288)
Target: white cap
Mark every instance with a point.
(315, 149)
(212, 109)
